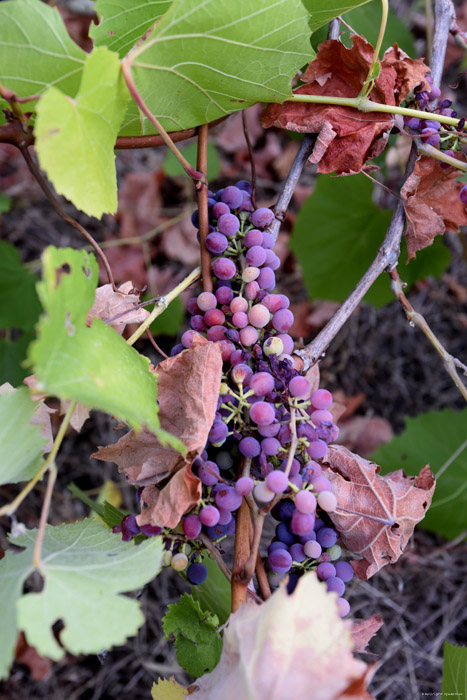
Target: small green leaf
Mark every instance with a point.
(21, 444)
(170, 320)
(438, 438)
(84, 567)
(323, 11)
(124, 23)
(197, 640)
(5, 203)
(92, 365)
(214, 594)
(19, 303)
(208, 59)
(36, 50)
(454, 671)
(173, 168)
(82, 132)
(336, 237)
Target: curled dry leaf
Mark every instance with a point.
(346, 137)
(188, 389)
(80, 414)
(165, 507)
(364, 434)
(363, 630)
(291, 646)
(375, 515)
(432, 203)
(117, 308)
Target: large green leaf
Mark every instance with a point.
(84, 567)
(124, 22)
(438, 438)
(454, 672)
(173, 167)
(208, 59)
(323, 11)
(21, 444)
(198, 643)
(75, 138)
(12, 355)
(336, 237)
(92, 365)
(214, 594)
(36, 50)
(19, 304)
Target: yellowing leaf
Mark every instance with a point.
(168, 690)
(75, 138)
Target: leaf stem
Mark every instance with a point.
(241, 553)
(163, 302)
(203, 214)
(44, 515)
(126, 71)
(370, 79)
(11, 508)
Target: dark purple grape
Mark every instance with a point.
(327, 537)
(232, 196)
(463, 195)
(191, 526)
(245, 186)
(249, 447)
(344, 571)
(228, 498)
(297, 552)
(280, 561)
(196, 574)
(130, 527)
(216, 243)
(336, 585)
(262, 217)
(150, 530)
(228, 224)
(284, 534)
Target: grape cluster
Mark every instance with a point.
(447, 138)
(268, 419)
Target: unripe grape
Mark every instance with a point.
(250, 274)
(258, 316)
(273, 346)
(262, 494)
(251, 290)
(327, 501)
(179, 562)
(206, 301)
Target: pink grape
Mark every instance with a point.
(250, 274)
(219, 209)
(251, 290)
(327, 501)
(227, 349)
(238, 304)
(256, 256)
(283, 320)
(244, 485)
(249, 447)
(272, 302)
(240, 319)
(216, 243)
(215, 333)
(343, 607)
(277, 481)
(214, 317)
(302, 523)
(236, 357)
(287, 342)
(305, 502)
(228, 224)
(224, 295)
(262, 413)
(248, 336)
(262, 494)
(262, 217)
(253, 237)
(269, 430)
(187, 338)
(258, 316)
(207, 301)
(224, 268)
(317, 449)
(321, 415)
(299, 387)
(312, 549)
(191, 526)
(262, 383)
(241, 374)
(209, 515)
(321, 399)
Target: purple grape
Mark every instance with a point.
(312, 549)
(302, 523)
(225, 516)
(412, 122)
(218, 432)
(224, 295)
(192, 306)
(228, 498)
(228, 224)
(280, 561)
(216, 531)
(299, 387)
(150, 530)
(198, 323)
(267, 280)
(297, 552)
(325, 570)
(256, 256)
(253, 237)
(232, 196)
(191, 526)
(241, 374)
(130, 527)
(220, 209)
(282, 319)
(262, 217)
(268, 241)
(270, 446)
(336, 585)
(344, 570)
(249, 447)
(276, 545)
(177, 349)
(327, 537)
(209, 473)
(284, 534)
(244, 485)
(272, 260)
(216, 243)
(196, 574)
(463, 195)
(317, 449)
(430, 136)
(245, 186)
(209, 515)
(215, 333)
(224, 268)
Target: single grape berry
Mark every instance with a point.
(197, 574)
(262, 217)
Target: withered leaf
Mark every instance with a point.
(375, 515)
(117, 308)
(165, 507)
(188, 389)
(346, 137)
(432, 203)
(281, 649)
(363, 630)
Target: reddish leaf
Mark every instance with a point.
(375, 515)
(166, 506)
(363, 630)
(117, 308)
(188, 389)
(39, 666)
(364, 434)
(347, 138)
(432, 203)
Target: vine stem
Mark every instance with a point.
(367, 85)
(11, 508)
(44, 515)
(203, 214)
(57, 207)
(212, 549)
(250, 564)
(251, 157)
(241, 554)
(416, 319)
(126, 72)
(163, 302)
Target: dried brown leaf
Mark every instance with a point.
(293, 646)
(188, 389)
(364, 434)
(80, 414)
(432, 203)
(117, 308)
(39, 666)
(347, 138)
(363, 630)
(375, 515)
(166, 506)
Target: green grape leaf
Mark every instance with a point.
(336, 237)
(92, 365)
(323, 11)
(214, 594)
(170, 320)
(84, 567)
(438, 438)
(5, 203)
(21, 443)
(198, 643)
(366, 20)
(173, 167)
(454, 671)
(12, 355)
(19, 303)
(205, 60)
(75, 138)
(124, 22)
(36, 50)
